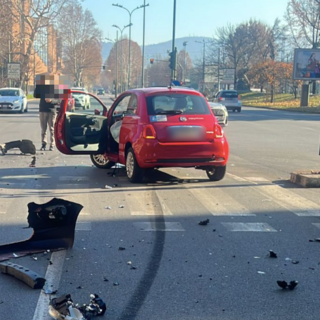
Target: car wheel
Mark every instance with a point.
(101, 162)
(226, 122)
(239, 110)
(216, 173)
(26, 109)
(233, 110)
(21, 110)
(134, 172)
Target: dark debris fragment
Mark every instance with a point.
(284, 285)
(204, 222)
(272, 254)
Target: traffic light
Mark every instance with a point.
(172, 60)
(151, 61)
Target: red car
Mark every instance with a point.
(145, 129)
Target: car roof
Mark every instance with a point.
(154, 90)
(10, 88)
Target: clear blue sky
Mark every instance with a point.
(193, 17)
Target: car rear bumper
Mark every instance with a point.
(156, 154)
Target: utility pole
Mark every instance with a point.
(219, 69)
(173, 70)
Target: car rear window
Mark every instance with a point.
(233, 94)
(176, 104)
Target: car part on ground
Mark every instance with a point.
(25, 146)
(63, 308)
(53, 226)
(101, 162)
(27, 276)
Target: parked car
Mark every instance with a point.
(101, 92)
(13, 100)
(81, 101)
(230, 99)
(220, 112)
(160, 127)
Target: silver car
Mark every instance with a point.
(220, 112)
(13, 100)
(230, 99)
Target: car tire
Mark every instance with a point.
(226, 123)
(21, 110)
(133, 171)
(26, 109)
(101, 162)
(216, 173)
(233, 110)
(239, 110)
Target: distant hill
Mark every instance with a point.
(160, 49)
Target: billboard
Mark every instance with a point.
(14, 70)
(228, 76)
(306, 64)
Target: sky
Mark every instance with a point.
(193, 17)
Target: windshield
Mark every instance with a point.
(9, 93)
(177, 104)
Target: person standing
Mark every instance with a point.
(45, 90)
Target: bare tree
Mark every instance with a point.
(80, 40)
(27, 19)
(303, 19)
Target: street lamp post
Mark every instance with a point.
(184, 66)
(203, 62)
(116, 80)
(130, 24)
(121, 31)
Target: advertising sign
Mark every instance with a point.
(306, 64)
(14, 70)
(228, 76)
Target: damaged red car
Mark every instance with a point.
(145, 129)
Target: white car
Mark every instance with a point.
(81, 101)
(13, 100)
(220, 112)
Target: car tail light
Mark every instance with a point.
(220, 98)
(218, 131)
(149, 132)
(239, 97)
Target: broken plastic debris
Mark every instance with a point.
(129, 262)
(27, 276)
(295, 261)
(261, 272)
(121, 248)
(284, 285)
(272, 254)
(53, 226)
(204, 222)
(116, 284)
(64, 308)
(35, 258)
(288, 259)
(108, 208)
(107, 187)
(121, 206)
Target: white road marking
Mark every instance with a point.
(219, 203)
(83, 226)
(73, 178)
(316, 225)
(236, 177)
(52, 277)
(287, 199)
(141, 203)
(256, 179)
(252, 227)
(158, 226)
(72, 186)
(12, 185)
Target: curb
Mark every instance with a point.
(306, 179)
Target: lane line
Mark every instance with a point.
(248, 227)
(53, 276)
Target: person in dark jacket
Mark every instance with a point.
(45, 90)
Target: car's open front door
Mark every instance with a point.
(83, 130)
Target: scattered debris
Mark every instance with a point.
(261, 272)
(27, 276)
(105, 279)
(64, 308)
(272, 254)
(121, 248)
(133, 268)
(116, 284)
(33, 162)
(317, 239)
(107, 187)
(204, 222)
(121, 206)
(108, 208)
(80, 287)
(284, 285)
(129, 262)
(35, 258)
(25, 146)
(50, 291)
(288, 259)
(295, 261)
(53, 226)
(115, 185)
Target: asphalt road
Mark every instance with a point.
(182, 270)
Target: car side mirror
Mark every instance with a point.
(97, 112)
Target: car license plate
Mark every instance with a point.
(5, 106)
(185, 133)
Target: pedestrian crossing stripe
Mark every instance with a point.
(158, 226)
(249, 226)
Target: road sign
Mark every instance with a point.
(14, 70)
(228, 76)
